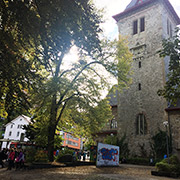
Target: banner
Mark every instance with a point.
(107, 155)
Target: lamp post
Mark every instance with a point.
(165, 123)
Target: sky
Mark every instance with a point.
(113, 7)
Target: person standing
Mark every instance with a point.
(2, 157)
(19, 159)
(11, 159)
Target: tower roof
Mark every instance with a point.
(138, 4)
(134, 3)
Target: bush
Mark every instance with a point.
(159, 144)
(65, 155)
(41, 156)
(138, 161)
(30, 155)
(168, 168)
(174, 160)
(172, 167)
(65, 158)
(33, 155)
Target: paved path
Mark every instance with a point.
(124, 172)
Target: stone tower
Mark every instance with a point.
(141, 112)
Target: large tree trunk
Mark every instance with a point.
(52, 129)
(50, 148)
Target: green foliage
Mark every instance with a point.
(138, 161)
(123, 145)
(171, 48)
(36, 132)
(65, 152)
(164, 167)
(30, 155)
(65, 155)
(36, 36)
(159, 145)
(17, 70)
(172, 167)
(41, 156)
(111, 140)
(172, 160)
(2, 127)
(33, 155)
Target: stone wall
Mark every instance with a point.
(174, 121)
(148, 78)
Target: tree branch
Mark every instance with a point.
(63, 108)
(77, 75)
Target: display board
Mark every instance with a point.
(107, 155)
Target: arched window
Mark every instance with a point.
(141, 125)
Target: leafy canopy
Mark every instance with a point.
(39, 33)
(171, 48)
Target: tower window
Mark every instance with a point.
(141, 125)
(139, 86)
(142, 24)
(168, 26)
(135, 27)
(10, 133)
(139, 64)
(170, 30)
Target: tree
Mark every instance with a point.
(54, 27)
(171, 48)
(78, 88)
(159, 144)
(17, 71)
(81, 124)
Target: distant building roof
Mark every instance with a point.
(172, 107)
(113, 101)
(28, 119)
(138, 4)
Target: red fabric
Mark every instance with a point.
(11, 155)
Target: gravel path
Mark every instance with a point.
(124, 172)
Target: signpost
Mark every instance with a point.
(107, 155)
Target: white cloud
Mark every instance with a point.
(113, 7)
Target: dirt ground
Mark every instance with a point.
(124, 172)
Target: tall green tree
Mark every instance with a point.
(17, 71)
(171, 48)
(77, 89)
(44, 32)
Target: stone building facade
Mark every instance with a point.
(141, 112)
(174, 123)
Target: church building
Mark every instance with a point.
(141, 112)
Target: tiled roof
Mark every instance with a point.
(131, 4)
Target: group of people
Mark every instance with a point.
(80, 154)
(13, 157)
